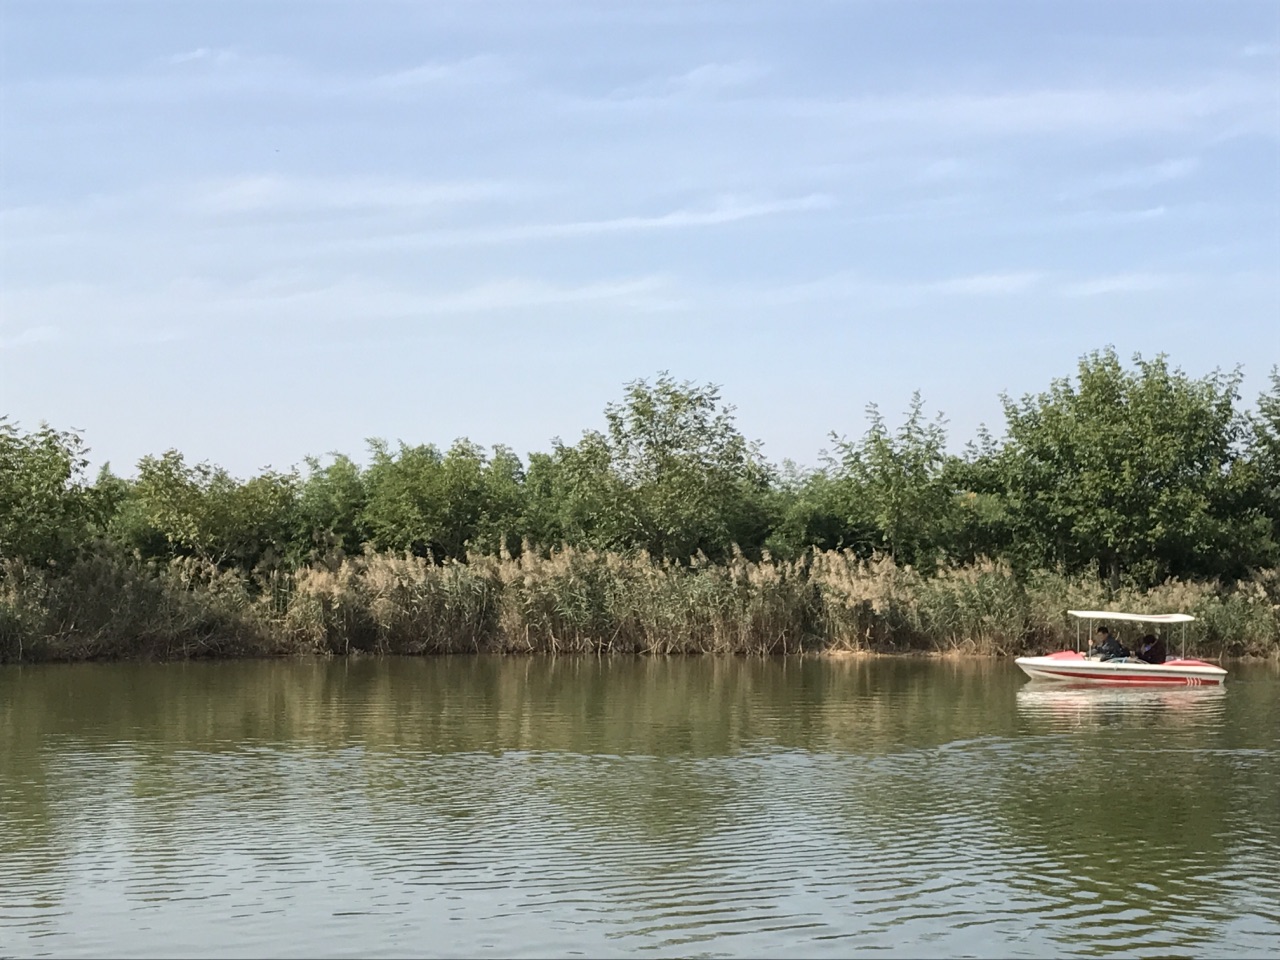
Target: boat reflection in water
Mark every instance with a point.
(1075, 705)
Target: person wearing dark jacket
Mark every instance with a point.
(1108, 647)
(1152, 649)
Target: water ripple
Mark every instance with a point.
(674, 811)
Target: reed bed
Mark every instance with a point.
(575, 601)
(107, 606)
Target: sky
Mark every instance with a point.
(257, 231)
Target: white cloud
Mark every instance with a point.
(645, 293)
(1243, 101)
(869, 292)
(1088, 219)
(876, 293)
(478, 69)
(162, 208)
(359, 299)
(949, 170)
(1260, 50)
(257, 194)
(278, 195)
(721, 76)
(1136, 178)
(217, 55)
(1120, 283)
(725, 212)
(704, 80)
(1124, 111)
(32, 335)
(991, 284)
(214, 73)
(192, 305)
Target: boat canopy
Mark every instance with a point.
(1133, 617)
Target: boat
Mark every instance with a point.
(1073, 666)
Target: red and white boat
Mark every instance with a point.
(1076, 667)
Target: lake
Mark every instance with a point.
(476, 806)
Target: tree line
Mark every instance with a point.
(1137, 473)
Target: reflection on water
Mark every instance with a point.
(521, 807)
(1081, 705)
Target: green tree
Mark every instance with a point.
(1263, 457)
(817, 509)
(671, 474)
(201, 510)
(544, 497)
(692, 481)
(428, 503)
(46, 511)
(894, 483)
(126, 519)
(576, 495)
(1129, 470)
(405, 506)
(501, 525)
(979, 523)
(331, 504)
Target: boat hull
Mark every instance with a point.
(1074, 668)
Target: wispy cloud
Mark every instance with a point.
(880, 292)
(362, 299)
(227, 200)
(1260, 50)
(196, 306)
(706, 79)
(646, 293)
(207, 73)
(951, 170)
(1090, 219)
(1242, 100)
(1108, 110)
(274, 194)
(359, 299)
(1136, 178)
(991, 284)
(726, 211)
(478, 69)
(1121, 283)
(877, 292)
(216, 55)
(31, 335)
(720, 76)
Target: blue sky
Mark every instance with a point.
(254, 231)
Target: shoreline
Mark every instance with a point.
(834, 655)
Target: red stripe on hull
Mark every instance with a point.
(1136, 679)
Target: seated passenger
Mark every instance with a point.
(1152, 649)
(1108, 647)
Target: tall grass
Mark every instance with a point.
(576, 601)
(108, 606)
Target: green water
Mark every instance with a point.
(531, 807)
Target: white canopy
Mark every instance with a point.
(1134, 617)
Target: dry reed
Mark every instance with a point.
(586, 602)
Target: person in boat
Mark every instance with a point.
(1152, 649)
(1108, 647)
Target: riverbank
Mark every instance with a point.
(114, 606)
